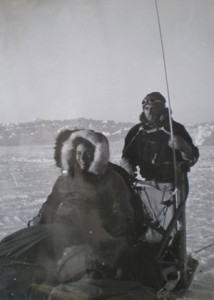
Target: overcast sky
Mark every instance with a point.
(62, 59)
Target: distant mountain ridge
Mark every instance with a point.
(44, 132)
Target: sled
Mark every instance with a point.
(181, 270)
(177, 273)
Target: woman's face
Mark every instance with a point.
(84, 156)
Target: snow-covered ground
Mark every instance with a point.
(27, 175)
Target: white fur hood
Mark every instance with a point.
(64, 150)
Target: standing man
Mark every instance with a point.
(149, 146)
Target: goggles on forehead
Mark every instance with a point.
(150, 101)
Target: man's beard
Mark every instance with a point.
(152, 121)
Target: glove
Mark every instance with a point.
(181, 145)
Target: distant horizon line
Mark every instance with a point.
(92, 119)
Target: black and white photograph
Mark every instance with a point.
(106, 150)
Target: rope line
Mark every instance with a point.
(204, 248)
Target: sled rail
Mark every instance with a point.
(185, 264)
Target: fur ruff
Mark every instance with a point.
(101, 155)
(60, 139)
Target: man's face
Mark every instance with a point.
(84, 156)
(152, 112)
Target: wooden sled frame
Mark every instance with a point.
(185, 264)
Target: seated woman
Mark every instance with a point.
(89, 208)
(94, 203)
(89, 198)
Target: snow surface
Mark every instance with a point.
(27, 174)
(202, 132)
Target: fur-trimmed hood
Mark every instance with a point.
(65, 150)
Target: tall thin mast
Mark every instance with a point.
(168, 96)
